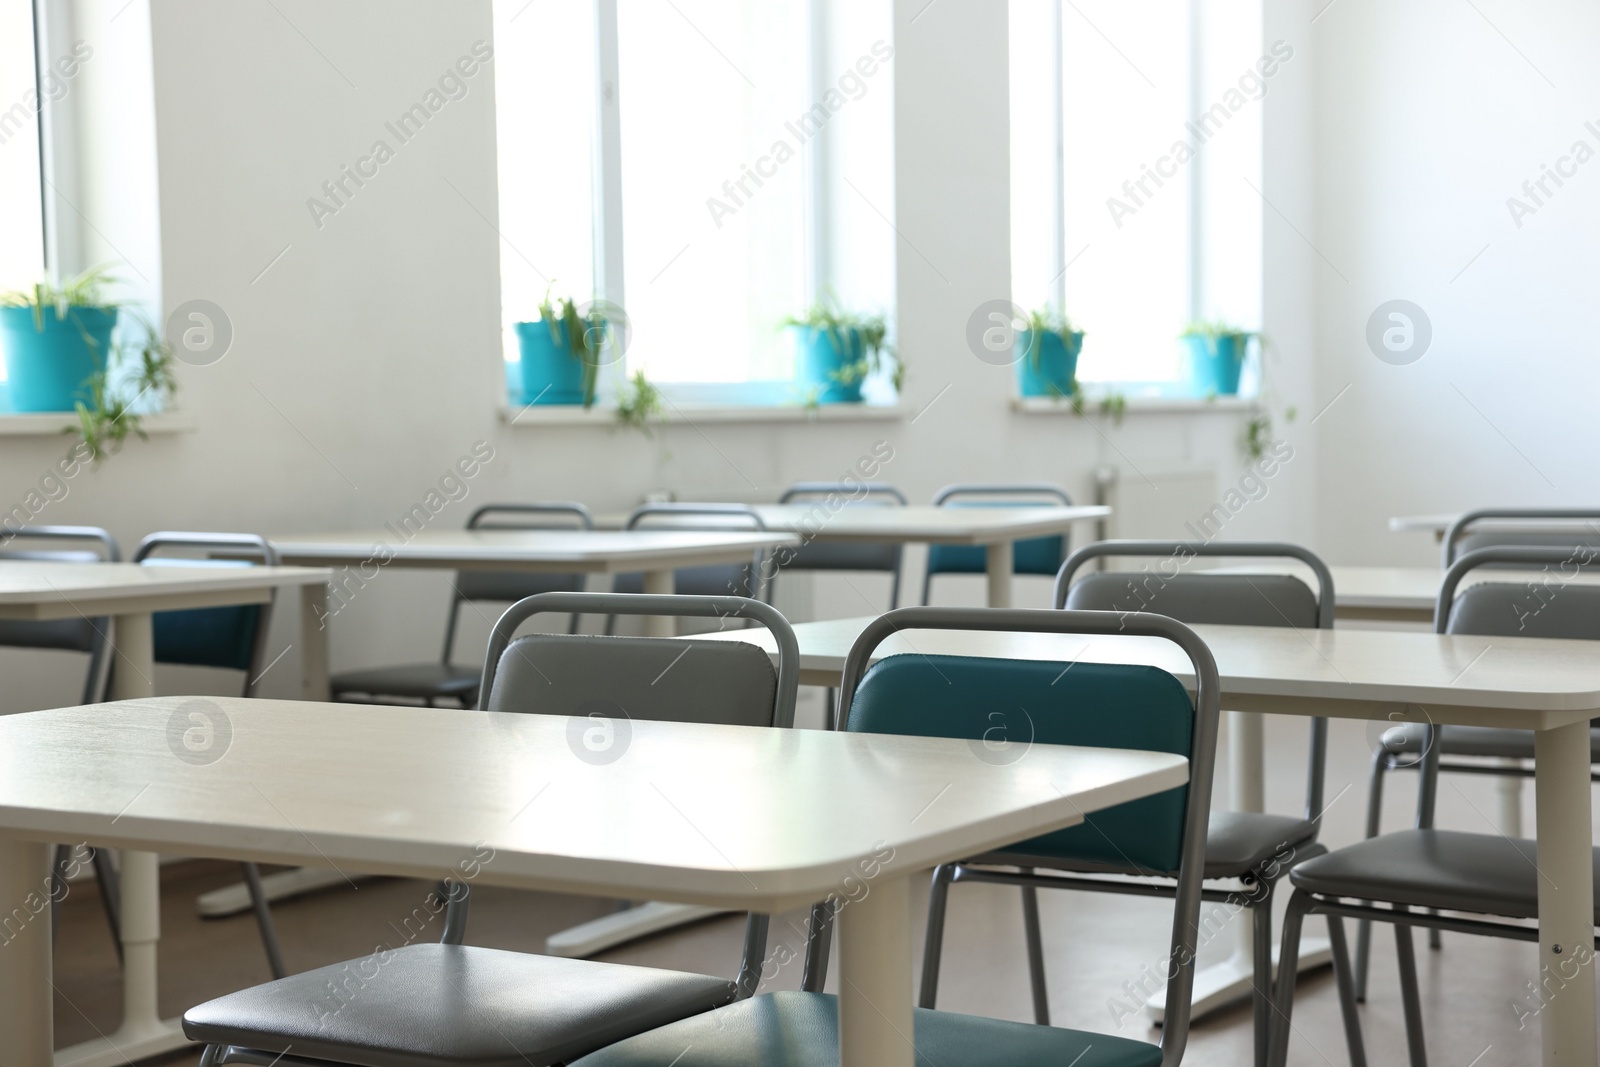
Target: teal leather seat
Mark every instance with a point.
(793, 1029)
(1041, 556)
(206, 637)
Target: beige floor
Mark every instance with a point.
(1094, 944)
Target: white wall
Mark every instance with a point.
(366, 359)
(1428, 119)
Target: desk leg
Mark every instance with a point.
(26, 1006)
(1000, 574)
(313, 642)
(875, 977)
(659, 583)
(143, 1032)
(1566, 894)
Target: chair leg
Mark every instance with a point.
(1261, 919)
(110, 896)
(269, 929)
(933, 943)
(1030, 927)
(1380, 767)
(1347, 996)
(830, 710)
(1288, 970)
(1410, 999)
(818, 944)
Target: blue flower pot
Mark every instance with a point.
(818, 360)
(49, 369)
(1047, 363)
(1215, 362)
(551, 373)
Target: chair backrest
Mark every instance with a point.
(91, 545)
(1094, 704)
(1552, 606)
(648, 678)
(846, 555)
(233, 637)
(1214, 599)
(1033, 555)
(1579, 531)
(715, 579)
(506, 586)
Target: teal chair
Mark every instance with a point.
(1109, 705)
(229, 638)
(1042, 556)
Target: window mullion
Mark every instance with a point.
(608, 280)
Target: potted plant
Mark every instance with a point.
(1047, 354)
(63, 353)
(1216, 354)
(835, 350)
(561, 352)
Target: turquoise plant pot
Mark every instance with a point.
(49, 369)
(1215, 362)
(1047, 363)
(551, 373)
(818, 360)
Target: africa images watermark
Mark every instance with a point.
(851, 85)
(453, 85)
(54, 83)
(1537, 190)
(1251, 85)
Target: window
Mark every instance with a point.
(22, 221)
(710, 165)
(1135, 155)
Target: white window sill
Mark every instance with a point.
(54, 423)
(537, 415)
(1138, 405)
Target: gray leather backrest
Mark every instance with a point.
(73, 635)
(1493, 538)
(1527, 609)
(1198, 599)
(650, 678)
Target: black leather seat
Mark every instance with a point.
(414, 681)
(427, 1005)
(1240, 842)
(1484, 741)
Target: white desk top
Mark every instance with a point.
(722, 815)
(917, 522)
(43, 590)
(560, 551)
(1515, 682)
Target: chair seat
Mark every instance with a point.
(422, 681)
(1473, 741)
(428, 1005)
(802, 1030)
(1444, 869)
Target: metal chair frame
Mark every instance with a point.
(960, 489)
(864, 490)
(1459, 528)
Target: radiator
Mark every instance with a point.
(1158, 504)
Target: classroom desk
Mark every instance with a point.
(440, 791)
(996, 528)
(655, 552)
(1440, 524)
(1551, 687)
(129, 593)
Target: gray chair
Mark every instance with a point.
(1405, 877)
(228, 638)
(1549, 528)
(1033, 555)
(443, 680)
(1253, 848)
(716, 579)
(71, 544)
(432, 1005)
(1103, 704)
(861, 556)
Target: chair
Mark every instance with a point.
(1473, 749)
(1036, 555)
(1460, 538)
(230, 638)
(1112, 705)
(93, 545)
(443, 680)
(716, 579)
(869, 556)
(1250, 847)
(1421, 871)
(449, 1003)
